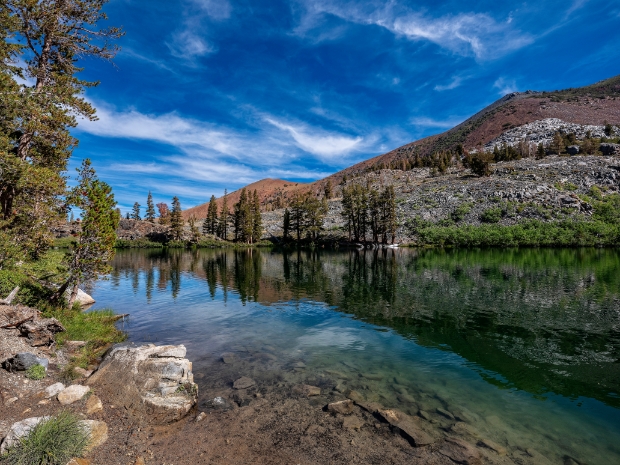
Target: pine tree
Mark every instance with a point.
(195, 232)
(328, 190)
(135, 212)
(243, 219)
(297, 215)
(94, 249)
(257, 221)
(150, 209)
(286, 226)
(176, 219)
(210, 223)
(43, 42)
(541, 152)
(224, 217)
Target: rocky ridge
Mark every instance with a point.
(542, 131)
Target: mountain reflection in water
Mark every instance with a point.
(541, 321)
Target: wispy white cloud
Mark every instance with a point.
(187, 45)
(216, 9)
(320, 143)
(455, 82)
(467, 34)
(505, 86)
(424, 122)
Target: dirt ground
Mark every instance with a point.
(270, 423)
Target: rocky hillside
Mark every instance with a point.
(510, 119)
(551, 189)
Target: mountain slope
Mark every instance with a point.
(595, 104)
(266, 188)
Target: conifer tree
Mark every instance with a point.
(286, 226)
(42, 42)
(150, 209)
(328, 190)
(224, 217)
(541, 152)
(176, 219)
(94, 249)
(210, 223)
(135, 212)
(257, 221)
(297, 215)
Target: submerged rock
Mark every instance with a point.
(155, 382)
(407, 426)
(244, 383)
(306, 390)
(460, 451)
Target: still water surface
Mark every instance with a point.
(524, 345)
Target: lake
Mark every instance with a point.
(523, 345)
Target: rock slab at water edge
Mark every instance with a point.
(243, 383)
(25, 360)
(343, 407)
(152, 382)
(407, 425)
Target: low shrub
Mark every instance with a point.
(491, 215)
(35, 372)
(51, 442)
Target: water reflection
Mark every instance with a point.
(541, 321)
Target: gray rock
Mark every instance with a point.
(18, 431)
(25, 360)
(53, 390)
(152, 382)
(610, 149)
(244, 383)
(499, 450)
(572, 149)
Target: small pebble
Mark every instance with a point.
(11, 400)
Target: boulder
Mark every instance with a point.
(610, 149)
(149, 381)
(53, 390)
(97, 431)
(18, 431)
(40, 332)
(93, 405)
(25, 360)
(72, 394)
(84, 299)
(343, 407)
(573, 149)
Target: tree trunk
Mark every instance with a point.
(74, 293)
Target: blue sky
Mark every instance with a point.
(214, 94)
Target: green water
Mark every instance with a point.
(522, 345)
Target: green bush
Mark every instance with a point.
(51, 442)
(35, 372)
(491, 215)
(461, 212)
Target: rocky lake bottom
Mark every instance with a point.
(513, 352)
